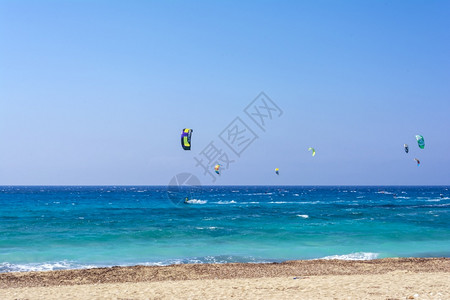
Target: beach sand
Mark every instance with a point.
(400, 278)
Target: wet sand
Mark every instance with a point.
(393, 278)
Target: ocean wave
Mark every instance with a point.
(219, 259)
(226, 202)
(196, 201)
(293, 202)
(354, 256)
(208, 228)
(430, 205)
(258, 194)
(303, 216)
(313, 202)
(6, 267)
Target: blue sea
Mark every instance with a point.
(70, 227)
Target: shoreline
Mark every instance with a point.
(138, 273)
(387, 278)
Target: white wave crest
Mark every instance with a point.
(258, 194)
(208, 228)
(226, 202)
(384, 192)
(196, 201)
(303, 216)
(48, 266)
(354, 256)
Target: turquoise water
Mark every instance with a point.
(47, 228)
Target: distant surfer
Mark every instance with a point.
(442, 195)
(186, 200)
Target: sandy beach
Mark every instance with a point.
(401, 278)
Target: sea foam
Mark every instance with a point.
(303, 216)
(354, 256)
(197, 201)
(47, 266)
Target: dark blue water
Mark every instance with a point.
(45, 228)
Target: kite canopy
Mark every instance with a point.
(406, 148)
(418, 161)
(420, 141)
(186, 138)
(277, 171)
(216, 168)
(313, 151)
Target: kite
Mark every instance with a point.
(420, 141)
(277, 171)
(313, 151)
(406, 148)
(186, 138)
(418, 161)
(216, 168)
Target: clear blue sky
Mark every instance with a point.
(97, 92)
